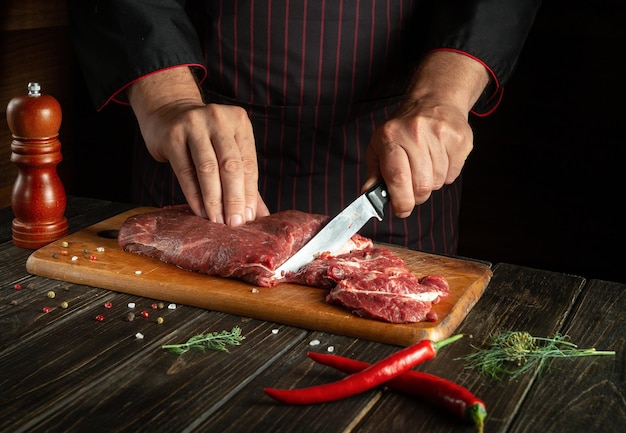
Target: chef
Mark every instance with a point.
(253, 106)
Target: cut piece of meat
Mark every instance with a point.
(374, 283)
(250, 252)
(370, 281)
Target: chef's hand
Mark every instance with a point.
(425, 144)
(210, 147)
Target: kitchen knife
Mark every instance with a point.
(338, 230)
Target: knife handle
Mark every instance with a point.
(379, 197)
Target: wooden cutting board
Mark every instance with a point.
(290, 304)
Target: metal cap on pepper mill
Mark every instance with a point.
(38, 199)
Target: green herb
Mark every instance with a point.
(212, 341)
(511, 353)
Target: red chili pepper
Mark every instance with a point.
(435, 389)
(371, 377)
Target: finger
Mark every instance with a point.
(183, 166)
(439, 164)
(233, 182)
(396, 169)
(387, 159)
(428, 157)
(245, 141)
(207, 178)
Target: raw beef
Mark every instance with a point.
(370, 281)
(250, 252)
(374, 283)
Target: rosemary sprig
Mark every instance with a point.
(512, 353)
(212, 341)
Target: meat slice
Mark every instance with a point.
(250, 252)
(374, 283)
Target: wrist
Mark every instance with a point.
(162, 88)
(449, 78)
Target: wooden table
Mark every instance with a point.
(66, 371)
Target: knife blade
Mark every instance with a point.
(338, 230)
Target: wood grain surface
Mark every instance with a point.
(80, 262)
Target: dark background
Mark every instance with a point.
(544, 186)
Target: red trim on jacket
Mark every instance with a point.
(114, 96)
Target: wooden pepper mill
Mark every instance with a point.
(38, 198)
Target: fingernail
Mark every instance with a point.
(235, 220)
(219, 219)
(249, 214)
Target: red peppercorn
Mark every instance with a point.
(18, 287)
(99, 317)
(155, 306)
(46, 309)
(145, 314)
(108, 304)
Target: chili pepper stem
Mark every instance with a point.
(439, 344)
(477, 415)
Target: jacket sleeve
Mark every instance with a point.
(119, 41)
(491, 31)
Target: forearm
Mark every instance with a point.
(449, 78)
(158, 90)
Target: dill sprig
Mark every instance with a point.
(512, 353)
(212, 341)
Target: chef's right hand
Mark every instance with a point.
(424, 145)
(210, 147)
